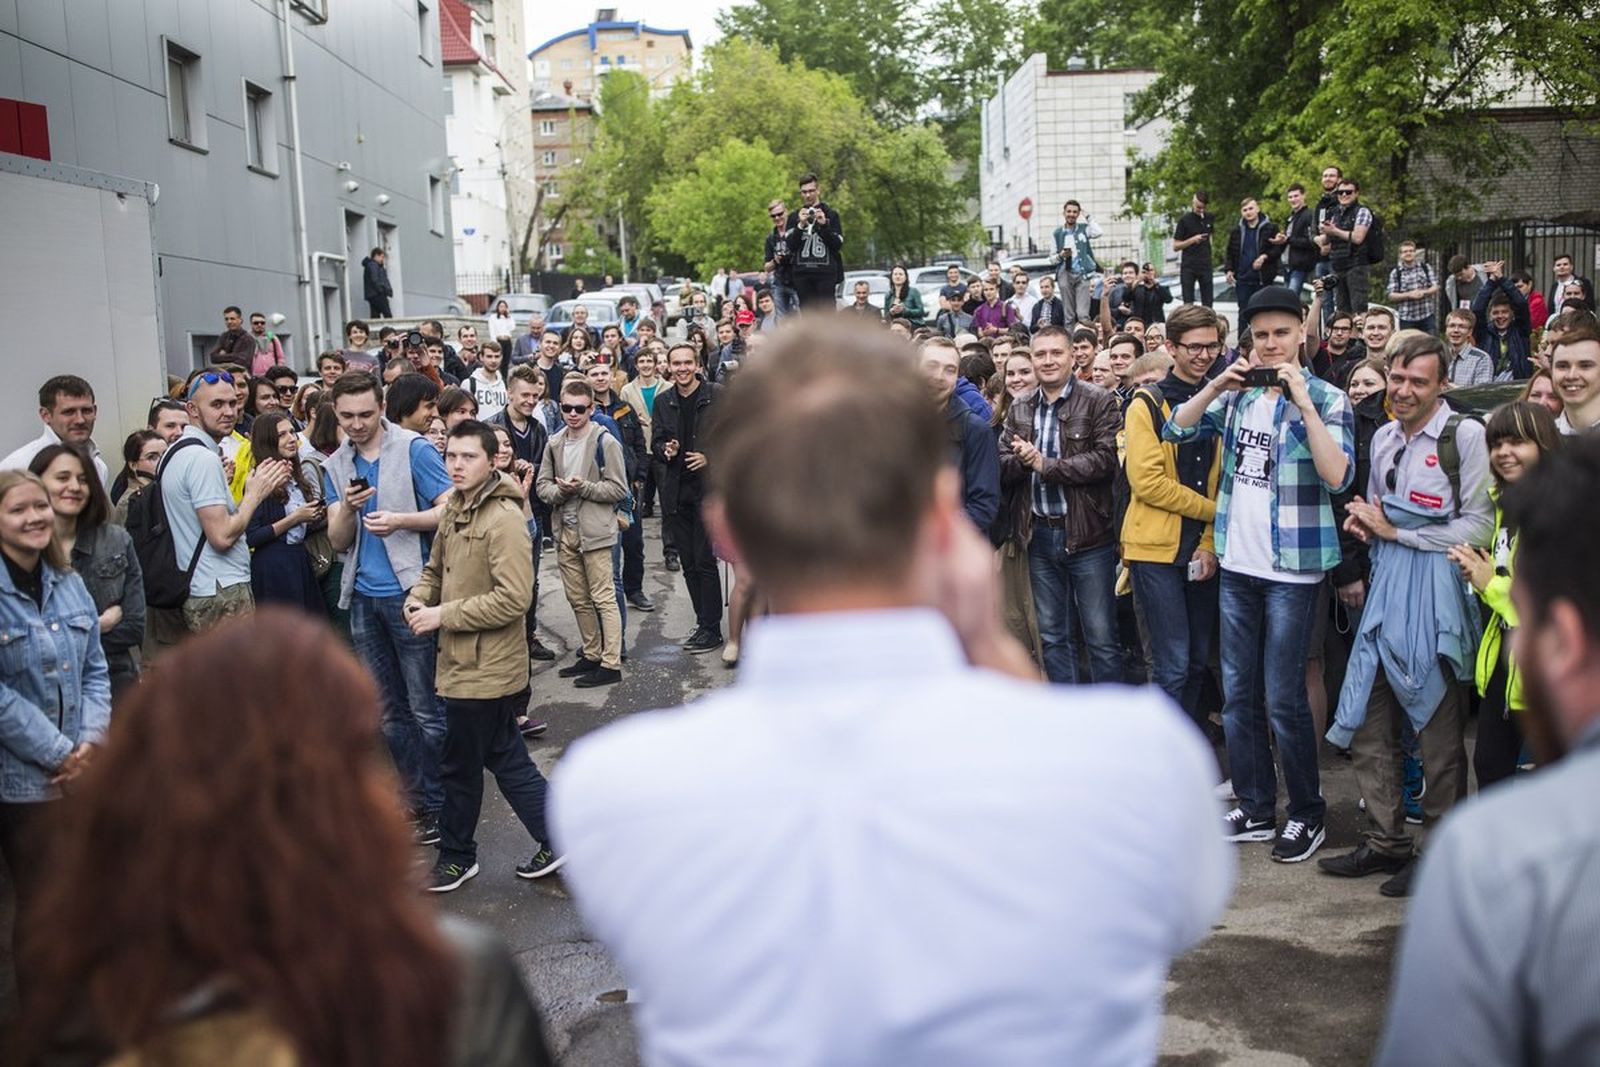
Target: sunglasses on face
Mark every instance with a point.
(1347, 192)
(210, 377)
(285, 390)
(574, 409)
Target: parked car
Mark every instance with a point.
(877, 287)
(602, 310)
(647, 293)
(522, 305)
(930, 279)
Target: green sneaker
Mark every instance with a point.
(544, 862)
(447, 876)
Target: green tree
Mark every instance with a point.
(711, 215)
(915, 209)
(872, 44)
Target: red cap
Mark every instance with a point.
(744, 317)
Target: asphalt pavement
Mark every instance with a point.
(1295, 973)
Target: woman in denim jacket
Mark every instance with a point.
(101, 553)
(55, 691)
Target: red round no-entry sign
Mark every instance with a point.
(1025, 209)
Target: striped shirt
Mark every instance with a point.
(1049, 499)
(1305, 538)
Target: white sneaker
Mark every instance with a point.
(730, 654)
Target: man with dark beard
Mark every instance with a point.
(1497, 962)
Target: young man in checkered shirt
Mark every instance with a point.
(1286, 449)
(1414, 290)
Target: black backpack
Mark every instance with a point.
(165, 584)
(1375, 244)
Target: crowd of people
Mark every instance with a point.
(1068, 489)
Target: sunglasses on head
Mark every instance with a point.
(210, 377)
(574, 409)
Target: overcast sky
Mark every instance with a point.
(545, 18)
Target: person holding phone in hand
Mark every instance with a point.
(385, 487)
(1288, 444)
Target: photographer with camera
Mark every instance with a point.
(1346, 232)
(778, 261)
(815, 244)
(1288, 444)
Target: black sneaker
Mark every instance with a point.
(1237, 826)
(672, 562)
(1362, 862)
(448, 876)
(536, 650)
(703, 641)
(1400, 884)
(641, 602)
(544, 862)
(547, 544)
(1298, 841)
(530, 727)
(581, 665)
(427, 828)
(597, 677)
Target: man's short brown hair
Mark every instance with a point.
(1583, 328)
(524, 372)
(825, 457)
(1191, 317)
(575, 385)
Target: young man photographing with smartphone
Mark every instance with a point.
(1287, 448)
(385, 487)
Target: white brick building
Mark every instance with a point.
(1050, 136)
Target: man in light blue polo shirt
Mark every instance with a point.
(395, 481)
(194, 491)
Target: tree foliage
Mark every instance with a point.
(711, 214)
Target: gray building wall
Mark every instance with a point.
(225, 233)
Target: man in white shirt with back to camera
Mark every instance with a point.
(873, 881)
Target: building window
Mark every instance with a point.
(548, 159)
(605, 61)
(449, 95)
(566, 64)
(315, 10)
(455, 183)
(435, 205)
(547, 127)
(488, 46)
(553, 251)
(1129, 102)
(186, 114)
(260, 130)
(427, 33)
(649, 42)
(551, 190)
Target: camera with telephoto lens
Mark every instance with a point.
(416, 339)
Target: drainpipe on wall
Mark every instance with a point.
(298, 185)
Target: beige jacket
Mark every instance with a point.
(600, 493)
(480, 573)
(633, 396)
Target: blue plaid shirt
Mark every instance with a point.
(1049, 498)
(1305, 538)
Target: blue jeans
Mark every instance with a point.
(1070, 589)
(785, 299)
(1182, 619)
(1266, 630)
(1425, 325)
(1296, 280)
(531, 624)
(413, 716)
(1246, 287)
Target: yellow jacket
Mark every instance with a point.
(1158, 502)
(1497, 595)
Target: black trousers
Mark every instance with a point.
(1494, 758)
(658, 474)
(700, 574)
(23, 840)
(816, 292)
(633, 555)
(379, 308)
(481, 735)
(1187, 276)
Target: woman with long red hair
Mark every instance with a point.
(235, 881)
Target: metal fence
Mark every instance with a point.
(1528, 244)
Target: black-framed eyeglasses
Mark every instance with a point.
(1200, 349)
(574, 409)
(1394, 471)
(1347, 192)
(210, 377)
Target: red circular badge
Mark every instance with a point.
(1432, 461)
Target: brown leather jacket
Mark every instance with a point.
(1090, 419)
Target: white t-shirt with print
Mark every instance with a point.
(1249, 538)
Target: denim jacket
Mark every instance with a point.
(55, 690)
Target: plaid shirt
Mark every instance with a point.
(1404, 279)
(1049, 498)
(1305, 538)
